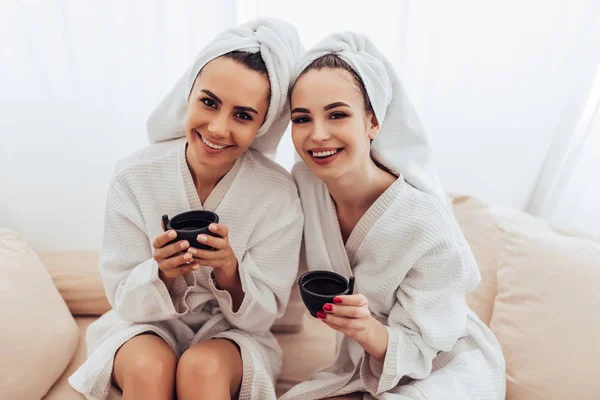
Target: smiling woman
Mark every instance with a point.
(176, 308)
(226, 107)
(375, 211)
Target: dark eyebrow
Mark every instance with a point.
(211, 94)
(301, 110)
(334, 105)
(242, 108)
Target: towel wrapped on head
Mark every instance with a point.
(401, 144)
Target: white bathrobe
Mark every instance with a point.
(258, 201)
(410, 266)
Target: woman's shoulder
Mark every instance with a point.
(423, 216)
(306, 182)
(301, 173)
(269, 174)
(153, 158)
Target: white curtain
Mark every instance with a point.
(498, 84)
(578, 205)
(568, 190)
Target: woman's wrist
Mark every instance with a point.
(166, 280)
(229, 279)
(374, 339)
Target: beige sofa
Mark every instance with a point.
(540, 294)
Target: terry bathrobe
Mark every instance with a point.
(409, 259)
(256, 199)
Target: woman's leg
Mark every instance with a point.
(209, 370)
(145, 368)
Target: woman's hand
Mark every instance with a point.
(223, 261)
(173, 259)
(221, 258)
(350, 315)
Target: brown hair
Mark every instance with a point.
(253, 62)
(335, 62)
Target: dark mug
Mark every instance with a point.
(318, 288)
(189, 225)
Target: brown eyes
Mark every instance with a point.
(304, 119)
(337, 115)
(300, 120)
(244, 116)
(209, 102)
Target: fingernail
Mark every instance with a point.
(321, 315)
(337, 300)
(202, 238)
(187, 256)
(193, 250)
(196, 266)
(212, 227)
(184, 245)
(172, 234)
(328, 307)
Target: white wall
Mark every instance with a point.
(491, 81)
(78, 81)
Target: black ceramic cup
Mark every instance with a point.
(189, 225)
(320, 287)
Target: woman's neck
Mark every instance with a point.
(206, 178)
(355, 192)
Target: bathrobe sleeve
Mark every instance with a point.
(429, 316)
(129, 272)
(268, 269)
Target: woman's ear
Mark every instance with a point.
(373, 126)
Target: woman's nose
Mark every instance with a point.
(218, 126)
(320, 133)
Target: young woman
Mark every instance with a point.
(374, 209)
(186, 322)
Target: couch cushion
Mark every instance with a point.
(539, 294)
(303, 353)
(39, 335)
(62, 390)
(547, 311)
(77, 278)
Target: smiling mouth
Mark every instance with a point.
(322, 155)
(213, 146)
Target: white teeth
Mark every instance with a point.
(212, 145)
(324, 153)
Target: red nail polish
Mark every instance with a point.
(337, 300)
(321, 315)
(328, 307)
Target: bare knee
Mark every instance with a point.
(201, 363)
(145, 359)
(152, 367)
(214, 367)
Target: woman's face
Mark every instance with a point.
(330, 129)
(226, 107)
